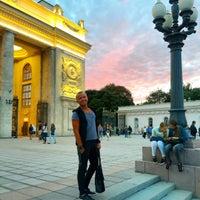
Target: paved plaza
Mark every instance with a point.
(32, 170)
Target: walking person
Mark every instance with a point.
(52, 133)
(30, 129)
(44, 133)
(40, 125)
(84, 124)
(100, 131)
(108, 131)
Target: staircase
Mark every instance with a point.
(145, 187)
(152, 181)
(188, 180)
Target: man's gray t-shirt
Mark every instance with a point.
(91, 124)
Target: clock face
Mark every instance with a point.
(72, 72)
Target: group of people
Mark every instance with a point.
(104, 131)
(168, 139)
(88, 134)
(43, 132)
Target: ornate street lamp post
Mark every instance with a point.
(174, 34)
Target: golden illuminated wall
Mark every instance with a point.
(71, 77)
(56, 48)
(39, 24)
(27, 113)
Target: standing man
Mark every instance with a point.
(84, 124)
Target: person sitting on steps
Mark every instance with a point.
(175, 142)
(158, 141)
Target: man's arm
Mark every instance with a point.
(76, 124)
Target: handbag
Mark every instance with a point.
(156, 138)
(99, 178)
(174, 142)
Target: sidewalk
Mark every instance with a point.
(36, 171)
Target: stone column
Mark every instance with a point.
(6, 83)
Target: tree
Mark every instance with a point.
(195, 94)
(187, 89)
(109, 98)
(158, 96)
(116, 96)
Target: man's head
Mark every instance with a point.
(82, 98)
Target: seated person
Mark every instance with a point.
(175, 142)
(158, 141)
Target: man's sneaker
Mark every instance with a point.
(88, 191)
(85, 197)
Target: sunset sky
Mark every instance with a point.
(126, 49)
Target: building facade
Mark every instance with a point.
(42, 66)
(141, 116)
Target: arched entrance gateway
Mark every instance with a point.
(42, 61)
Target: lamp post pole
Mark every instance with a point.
(174, 34)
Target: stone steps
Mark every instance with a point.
(155, 191)
(188, 180)
(161, 191)
(126, 188)
(178, 195)
(144, 187)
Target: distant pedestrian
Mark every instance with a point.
(100, 131)
(126, 131)
(144, 132)
(199, 131)
(193, 129)
(30, 131)
(52, 133)
(44, 133)
(34, 129)
(129, 130)
(40, 125)
(108, 132)
(149, 131)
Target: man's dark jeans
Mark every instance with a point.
(84, 176)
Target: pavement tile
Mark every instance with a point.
(32, 181)
(52, 186)
(16, 177)
(33, 191)
(3, 190)
(30, 170)
(48, 178)
(15, 185)
(55, 196)
(13, 195)
(4, 181)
